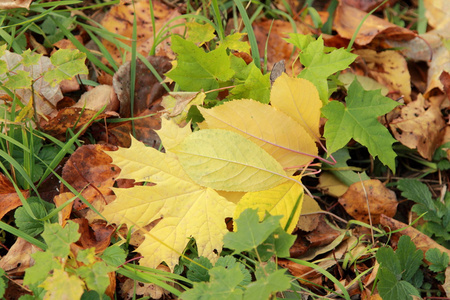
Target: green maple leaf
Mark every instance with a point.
(223, 285)
(319, 65)
(68, 63)
(250, 232)
(358, 120)
(196, 69)
(250, 82)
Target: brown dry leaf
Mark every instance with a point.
(64, 214)
(348, 18)
(98, 97)
(119, 20)
(18, 258)
(11, 4)
(422, 241)
(9, 199)
(365, 5)
(381, 201)
(446, 285)
(89, 170)
(322, 240)
(148, 89)
(419, 128)
(97, 235)
(306, 273)
(439, 64)
(68, 118)
(279, 49)
(438, 13)
(390, 69)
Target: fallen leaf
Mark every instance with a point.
(330, 185)
(90, 172)
(348, 18)
(18, 258)
(99, 97)
(272, 130)
(64, 214)
(310, 215)
(419, 128)
(224, 160)
(370, 193)
(73, 118)
(9, 199)
(120, 18)
(285, 199)
(148, 88)
(422, 241)
(201, 215)
(97, 235)
(15, 4)
(390, 69)
(299, 99)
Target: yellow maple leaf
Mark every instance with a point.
(299, 99)
(285, 199)
(186, 208)
(62, 286)
(171, 134)
(274, 131)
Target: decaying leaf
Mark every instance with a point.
(369, 194)
(420, 128)
(421, 240)
(348, 18)
(9, 199)
(389, 68)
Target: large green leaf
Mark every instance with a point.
(358, 120)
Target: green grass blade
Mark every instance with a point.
(20, 234)
(250, 33)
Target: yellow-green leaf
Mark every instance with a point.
(272, 130)
(224, 160)
(299, 99)
(62, 286)
(199, 33)
(284, 199)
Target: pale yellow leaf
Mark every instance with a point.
(234, 197)
(299, 99)
(272, 130)
(171, 134)
(284, 199)
(143, 163)
(224, 160)
(200, 215)
(62, 286)
(187, 209)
